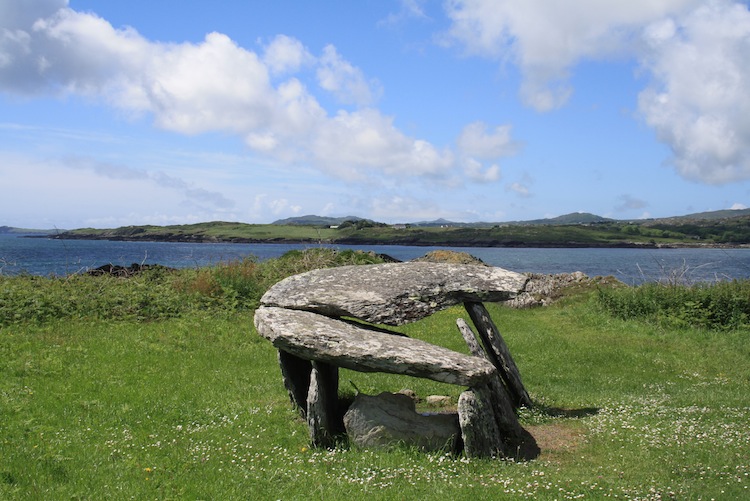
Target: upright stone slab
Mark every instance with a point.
(499, 354)
(478, 428)
(393, 293)
(493, 399)
(322, 405)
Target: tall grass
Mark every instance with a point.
(720, 305)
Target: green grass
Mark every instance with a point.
(723, 305)
(192, 407)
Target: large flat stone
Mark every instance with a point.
(316, 337)
(393, 293)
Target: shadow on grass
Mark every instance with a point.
(568, 413)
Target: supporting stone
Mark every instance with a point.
(502, 407)
(322, 405)
(516, 441)
(498, 353)
(478, 428)
(295, 372)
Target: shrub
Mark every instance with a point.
(721, 305)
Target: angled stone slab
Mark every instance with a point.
(316, 337)
(393, 293)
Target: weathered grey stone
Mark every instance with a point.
(300, 316)
(393, 293)
(479, 431)
(514, 439)
(390, 418)
(544, 290)
(505, 415)
(315, 337)
(498, 353)
(471, 339)
(322, 405)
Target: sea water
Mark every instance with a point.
(45, 256)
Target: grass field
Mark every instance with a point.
(191, 406)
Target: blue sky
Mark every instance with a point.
(142, 112)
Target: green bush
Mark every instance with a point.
(720, 305)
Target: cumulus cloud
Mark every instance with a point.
(695, 54)
(353, 143)
(345, 81)
(697, 101)
(286, 55)
(47, 48)
(479, 147)
(546, 38)
(475, 171)
(477, 142)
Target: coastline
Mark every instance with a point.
(197, 239)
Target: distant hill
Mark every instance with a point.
(572, 218)
(312, 220)
(439, 222)
(10, 230)
(716, 215)
(565, 219)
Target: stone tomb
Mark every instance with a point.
(313, 319)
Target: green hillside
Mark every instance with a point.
(596, 232)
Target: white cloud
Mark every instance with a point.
(519, 189)
(476, 141)
(216, 85)
(286, 55)
(393, 208)
(546, 38)
(477, 145)
(695, 52)
(475, 171)
(282, 206)
(345, 81)
(352, 145)
(697, 101)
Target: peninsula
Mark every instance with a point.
(707, 229)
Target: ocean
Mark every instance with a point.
(43, 256)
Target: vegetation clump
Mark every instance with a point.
(721, 305)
